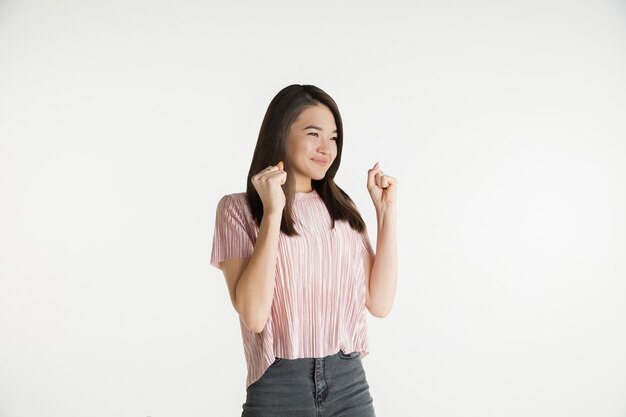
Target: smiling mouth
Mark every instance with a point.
(321, 162)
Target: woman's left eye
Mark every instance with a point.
(315, 133)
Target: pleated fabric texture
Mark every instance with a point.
(319, 296)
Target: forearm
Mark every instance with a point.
(383, 276)
(255, 288)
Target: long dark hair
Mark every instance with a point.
(282, 111)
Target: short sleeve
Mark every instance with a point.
(231, 238)
(366, 245)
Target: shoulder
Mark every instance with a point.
(234, 198)
(352, 203)
(234, 203)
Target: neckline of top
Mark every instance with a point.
(301, 195)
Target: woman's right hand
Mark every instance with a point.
(268, 184)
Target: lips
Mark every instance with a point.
(320, 161)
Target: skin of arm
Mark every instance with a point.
(381, 271)
(251, 280)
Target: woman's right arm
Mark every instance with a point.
(251, 280)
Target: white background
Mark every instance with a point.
(122, 123)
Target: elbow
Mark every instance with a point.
(251, 319)
(256, 328)
(378, 313)
(256, 325)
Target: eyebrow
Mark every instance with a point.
(316, 127)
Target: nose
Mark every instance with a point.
(324, 148)
(324, 154)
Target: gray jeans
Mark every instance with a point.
(332, 386)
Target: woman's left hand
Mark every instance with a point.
(382, 188)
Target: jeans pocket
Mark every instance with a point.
(349, 356)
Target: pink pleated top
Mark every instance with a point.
(319, 296)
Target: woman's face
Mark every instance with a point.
(312, 138)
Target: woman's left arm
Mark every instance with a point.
(384, 267)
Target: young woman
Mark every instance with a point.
(299, 265)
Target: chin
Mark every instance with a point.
(318, 174)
